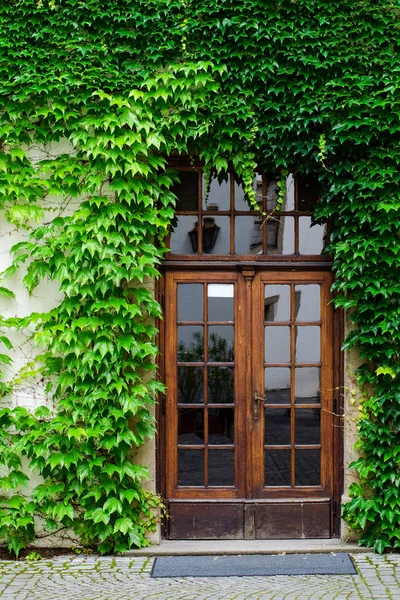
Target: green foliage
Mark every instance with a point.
(309, 85)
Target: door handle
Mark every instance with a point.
(256, 404)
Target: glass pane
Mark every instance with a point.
(187, 191)
(272, 195)
(184, 236)
(308, 429)
(221, 426)
(191, 467)
(307, 344)
(311, 239)
(280, 235)
(190, 302)
(240, 201)
(220, 343)
(248, 235)
(307, 385)
(309, 192)
(221, 467)
(277, 427)
(220, 385)
(277, 385)
(277, 344)
(190, 343)
(216, 235)
(307, 302)
(308, 467)
(277, 303)
(191, 426)
(277, 467)
(220, 302)
(219, 197)
(190, 385)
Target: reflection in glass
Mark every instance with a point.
(277, 426)
(216, 235)
(221, 467)
(220, 343)
(220, 301)
(277, 344)
(277, 467)
(308, 467)
(187, 191)
(221, 426)
(190, 302)
(311, 239)
(309, 192)
(277, 385)
(190, 426)
(307, 385)
(240, 200)
(219, 197)
(190, 467)
(220, 385)
(277, 303)
(307, 301)
(272, 195)
(248, 235)
(180, 239)
(307, 344)
(308, 430)
(190, 385)
(190, 343)
(280, 235)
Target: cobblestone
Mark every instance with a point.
(127, 578)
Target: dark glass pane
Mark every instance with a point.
(220, 343)
(309, 191)
(307, 302)
(307, 385)
(277, 385)
(311, 239)
(190, 302)
(219, 196)
(277, 344)
(216, 235)
(240, 200)
(221, 426)
(308, 426)
(221, 467)
(277, 427)
(220, 385)
(191, 426)
(187, 191)
(191, 467)
(190, 343)
(277, 467)
(280, 235)
(190, 385)
(277, 303)
(184, 236)
(220, 301)
(307, 344)
(272, 195)
(308, 467)
(248, 235)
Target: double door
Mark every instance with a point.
(248, 422)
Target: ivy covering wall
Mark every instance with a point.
(291, 85)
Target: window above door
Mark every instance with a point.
(220, 224)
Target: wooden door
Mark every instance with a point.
(249, 419)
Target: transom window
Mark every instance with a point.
(222, 224)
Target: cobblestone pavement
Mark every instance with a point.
(127, 578)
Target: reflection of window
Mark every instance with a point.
(270, 306)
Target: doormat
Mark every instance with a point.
(253, 565)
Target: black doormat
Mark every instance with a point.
(253, 565)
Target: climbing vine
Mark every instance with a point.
(106, 92)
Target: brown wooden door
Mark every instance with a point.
(248, 424)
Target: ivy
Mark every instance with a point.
(288, 85)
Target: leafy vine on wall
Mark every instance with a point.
(309, 85)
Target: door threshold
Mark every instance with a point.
(224, 547)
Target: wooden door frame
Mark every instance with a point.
(338, 373)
